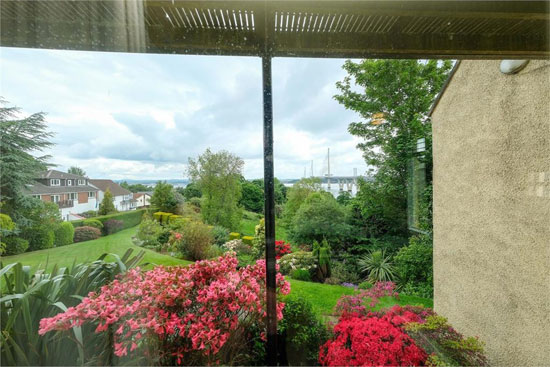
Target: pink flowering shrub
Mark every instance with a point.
(356, 304)
(186, 315)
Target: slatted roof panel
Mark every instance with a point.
(283, 28)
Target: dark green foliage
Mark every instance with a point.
(164, 198)
(252, 197)
(344, 272)
(365, 285)
(77, 171)
(414, 265)
(192, 190)
(89, 214)
(106, 206)
(220, 235)
(19, 137)
(93, 223)
(64, 234)
(149, 233)
(301, 274)
(15, 245)
(130, 218)
(27, 298)
(195, 202)
(344, 198)
(112, 226)
(301, 333)
(82, 234)
(321, 253)
(320, 217)
(40, 237)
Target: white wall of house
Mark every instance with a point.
(78, 208)
(143, 200)
(117, 201)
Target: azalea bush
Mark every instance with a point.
(297, 260)
(196, 315)
(400, 336)
(282, 248)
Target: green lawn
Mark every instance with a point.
(89, 251)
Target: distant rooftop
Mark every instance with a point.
(112, 186)
(58, 174)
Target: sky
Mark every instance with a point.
(141, 116)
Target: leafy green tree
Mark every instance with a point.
(252, 197)
(218, 176)
(135, 187)
(106, 206)
(164, 197)
(77, 171)
(344, 198)
(393, 102)
(20, 137)
(280, 189)
(320, 217)
(296, 196)
(192, 190)
(40, 221)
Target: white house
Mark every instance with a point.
(72, 193)
(143, 199)
(122, 198)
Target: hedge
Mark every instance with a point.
(248, 240)
(92, 223)
(234, 236)
(129, 219)
(15, 245)
(64, 234)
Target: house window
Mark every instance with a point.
(81, 182)
(69, 182)
(416, 187)
(55, 182)
(54, 198)
(91, 194)
(72, 196)
(36, 196)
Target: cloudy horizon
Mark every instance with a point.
(141, 116)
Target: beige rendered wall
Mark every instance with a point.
(491, 135)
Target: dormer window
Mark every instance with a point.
(55, 182)
(69, 182)
(81, 182)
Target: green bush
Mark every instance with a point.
(196, 241)
(15, 245)
(297, 260)
(165, 218)
(7, 228)
(149, 233)
(40, 237)
(157, 216)
(195, 202)
(82, 234)
(301, 333)
(89, 214)
(220, 234)
(344, 273)
(64, 234)
(248, 240)
(321, 253)
(234, 236)
(130, 219)
(93, 223)
(301, 274)
(414, 266)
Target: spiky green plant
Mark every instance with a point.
(27, 298)
(377, 266)
(322, 253)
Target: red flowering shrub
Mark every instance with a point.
(188, 315)
(282, 248)
(373, 341)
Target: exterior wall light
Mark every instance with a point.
(512, 66)
(377, 119)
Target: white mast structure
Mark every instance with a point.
(328, 170)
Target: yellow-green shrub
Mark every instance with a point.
(234, 236)
(248, 240)
(157, 216)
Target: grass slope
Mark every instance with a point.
(250, 221)
(89, 251)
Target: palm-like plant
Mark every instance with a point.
(377, 266)
(27, 298)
